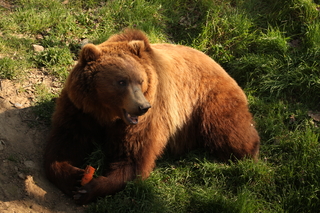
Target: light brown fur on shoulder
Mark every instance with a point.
(135, 99)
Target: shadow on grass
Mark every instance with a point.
(184, 20)
(189, 183)
(44, 110)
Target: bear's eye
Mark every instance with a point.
(122, 83)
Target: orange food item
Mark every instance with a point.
(88, 175)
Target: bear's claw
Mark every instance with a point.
(79, 193)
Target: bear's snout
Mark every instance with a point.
(144, 108)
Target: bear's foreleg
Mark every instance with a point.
(65, 153)
(114, 181)
(118, 175)
(64, 176)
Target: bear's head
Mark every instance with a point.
(111, 80)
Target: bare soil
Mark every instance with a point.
(23, 185)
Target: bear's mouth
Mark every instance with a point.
(131, 119)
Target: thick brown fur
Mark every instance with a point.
(194, 103)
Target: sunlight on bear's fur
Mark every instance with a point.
(136, 99)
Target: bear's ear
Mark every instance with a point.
(90, 52)
(137, 46)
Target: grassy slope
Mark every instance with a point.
(271, 48)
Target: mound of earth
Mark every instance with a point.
(23, 185)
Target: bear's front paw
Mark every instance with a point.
(86, 193)
(77, 194)
(81, 196)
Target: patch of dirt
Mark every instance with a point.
(23, 185)
(5, 4)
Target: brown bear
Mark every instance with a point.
(135, 99)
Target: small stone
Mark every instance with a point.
(29, 164)
(37, 48)
(17, 105)
(314, 115)
(2, 145)
(39, 36)
(22, 176)
(84, 42)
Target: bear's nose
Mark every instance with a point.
(143, 109)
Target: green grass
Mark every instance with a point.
(14, 55)
(57, 60)
(272, 49)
